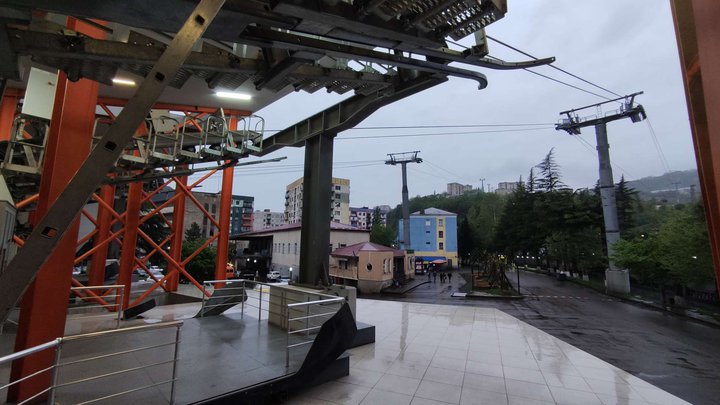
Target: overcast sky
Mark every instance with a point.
(623, 46)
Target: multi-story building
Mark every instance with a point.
(456, 189)
(506, 187)
(433, 237)
(363, 217)
(241, 213)
(267, 219)
(340, 201)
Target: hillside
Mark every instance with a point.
(676, 186)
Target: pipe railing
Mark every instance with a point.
(55, 369)
(297, 316)
(102, 297)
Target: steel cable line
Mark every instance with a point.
(553, 66)
(440, 133)
(440, 126)
(658, 148)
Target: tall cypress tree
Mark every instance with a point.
(549, 179)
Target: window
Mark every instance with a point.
(295, 248)
(337, 187)
(440, 234)
(427, 222)
(440, 222)
(442, 246)
(283, 248)
(369, 267)
(428, 232)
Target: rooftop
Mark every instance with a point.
(433, 212)
(352, 250)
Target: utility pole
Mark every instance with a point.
(677, 191)
(403, 159)
(482, 185)
(617, 279)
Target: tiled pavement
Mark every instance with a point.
(439, 354)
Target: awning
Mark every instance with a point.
(431, 259)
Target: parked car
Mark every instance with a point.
(273, 276)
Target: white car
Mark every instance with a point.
(273, 276)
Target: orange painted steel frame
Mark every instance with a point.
(8, 107)
(698, 36)
(44, 305)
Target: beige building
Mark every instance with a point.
(278, 249)
(506, 187)
(457, 189)
(368, 266)
(340, 201)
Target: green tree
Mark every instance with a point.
(193, 233)
(549, 179)
(627, 201)
(202, 266)
(382, 235)
(640, 256)
(684, 248)
(466, 242)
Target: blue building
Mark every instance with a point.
(433, 238)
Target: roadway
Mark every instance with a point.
(674, 353)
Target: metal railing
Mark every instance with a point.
(299, 316)
(55, 369)
(312, 318)
(103, 299)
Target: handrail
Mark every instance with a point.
(122, 331)
(58, 343)
(30, 350)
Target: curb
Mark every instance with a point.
(650, 305)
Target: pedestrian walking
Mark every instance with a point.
(442, 277)
(449, 277)
(434, 277)
(429, 276)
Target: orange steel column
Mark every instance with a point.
(225, 206)
(178, 233)
(129, 244)
(104, 221)
(44, 304)
(698, 35)
(8, 106)
(224, 221)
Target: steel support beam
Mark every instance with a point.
(315, 232)
(49, 231)
(130, 238)
(44, 304)
(227, 26)
(8, 106)
(346, 114)
(178, 229)
(226, 192)
(104, 223)
(698, 35)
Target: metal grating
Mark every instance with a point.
(456, 19)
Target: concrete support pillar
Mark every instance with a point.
(315, 234)
(617, 280)
(405, 209)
